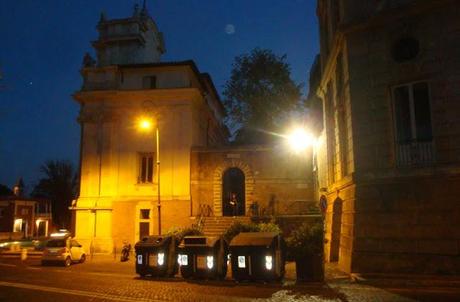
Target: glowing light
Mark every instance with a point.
(58, 234)
(299, 140)
(18, 225)
(161, 259)
(210, 261)
(145, 124)
(183, 260)
(241, 261)
(268, 262)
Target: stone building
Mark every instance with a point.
(120, 183)
(388, 154)
(23, 217)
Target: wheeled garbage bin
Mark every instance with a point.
(203, 257)
(156, 256)
(257, 256)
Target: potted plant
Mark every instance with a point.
(305, 246)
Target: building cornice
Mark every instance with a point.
(148, 94)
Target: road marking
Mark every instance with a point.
(74, 292)
(9, 265)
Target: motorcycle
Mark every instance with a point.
(126, 249)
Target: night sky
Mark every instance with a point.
(43, 42)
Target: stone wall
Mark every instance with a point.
(395, 216)
(411, 225)
(280, 182)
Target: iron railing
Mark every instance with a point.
(415, 153)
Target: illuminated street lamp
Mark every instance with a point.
(145, 125)
(299, 140)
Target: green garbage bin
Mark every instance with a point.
(156, 256)
(203, 257)
(257, 256)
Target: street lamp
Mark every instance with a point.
(299, 140)
(145, 125)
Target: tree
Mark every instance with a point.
(259, 92)
(59, 185)
(5, 191)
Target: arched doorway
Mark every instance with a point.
(233, 182)
(336, 229)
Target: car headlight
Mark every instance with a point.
(210, 261)
(241, 261)
(268, 262)
(161, 258)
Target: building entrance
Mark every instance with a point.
(233, 193)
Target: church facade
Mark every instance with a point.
(136, 182)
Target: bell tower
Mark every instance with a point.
(132, 40)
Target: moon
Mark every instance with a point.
(230, 29)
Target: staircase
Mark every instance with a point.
(216, 226)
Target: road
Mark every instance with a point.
(109, 280)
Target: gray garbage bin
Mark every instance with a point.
(156, 256)
(257, 256)
(203, 257)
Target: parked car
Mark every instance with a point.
(64, 250)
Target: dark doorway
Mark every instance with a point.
(144, 229)
(336, 229)
(233, 184)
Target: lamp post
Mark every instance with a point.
(146, 124)
(157, 131)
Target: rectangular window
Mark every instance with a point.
(149, 82)
(145, 168)
(145, 214)
(17, 225)
(412, 113)
(414, 136)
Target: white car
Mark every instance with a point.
(64, 250)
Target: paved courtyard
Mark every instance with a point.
(106, 279)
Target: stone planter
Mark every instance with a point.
(310, 268)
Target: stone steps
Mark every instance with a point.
(216, 226)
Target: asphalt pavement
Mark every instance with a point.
(106, 279)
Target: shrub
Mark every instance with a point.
(239, 227)
(180, 233)
(306, 241)
(269, 227)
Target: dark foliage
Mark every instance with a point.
(182, 232)
(259, 92)
(307, 240)
(5, 191)
(59, 185)
(239, 227)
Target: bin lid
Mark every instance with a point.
(154, 241)
(199, 241)
(254, 239)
